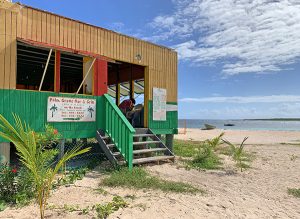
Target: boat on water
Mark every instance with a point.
(229, 124)
(209, 127)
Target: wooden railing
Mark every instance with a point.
(119, 129)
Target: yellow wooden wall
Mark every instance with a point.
(32, 24)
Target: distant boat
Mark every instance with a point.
(229, 124)
(209, 127)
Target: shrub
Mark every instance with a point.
(16, 186)
(36, 154)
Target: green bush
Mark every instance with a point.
(16, 186)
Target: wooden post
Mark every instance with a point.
(5, 152)
(61, 148)
(57, 72)
(100, 77)
(118, 94)
(132, 89)
(169, 141)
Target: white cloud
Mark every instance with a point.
(248, 99)
(244, 35)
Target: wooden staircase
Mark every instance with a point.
(147, 148)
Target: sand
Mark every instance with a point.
(236, 136)
(259, 192)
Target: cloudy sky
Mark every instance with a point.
(237, 58)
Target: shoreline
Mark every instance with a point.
(259, 137)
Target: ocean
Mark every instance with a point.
(242, 124)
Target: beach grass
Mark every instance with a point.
(139, 178)
(186, 148)
(294, 192)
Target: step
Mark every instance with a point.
(116, 154)
(151, 159)
(143, 151)
(143, 135)
(141, 130)
(110, 145)
(146, 142)
(105, 137)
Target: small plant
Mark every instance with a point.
(238, 154)
(103, 211)
(140, 179)
(294, 192)
(2, 205)
(205, 158)
(214, 143)
(37, 155)
(71, 177)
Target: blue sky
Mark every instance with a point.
(236, 60)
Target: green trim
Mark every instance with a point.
(119, 129)
(31, 106)
(169, 126)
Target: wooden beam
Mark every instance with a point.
(57, 72)
(132, 89)
(45, 70)
(118, 94)
(87, 73)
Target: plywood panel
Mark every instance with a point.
(57, 31)
(69, 29)
(73, 35)
(81, 37)
(77, 36)
(48, 31)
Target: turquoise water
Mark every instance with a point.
(243, 124)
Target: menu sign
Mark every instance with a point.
(159, 104)
(62, 109)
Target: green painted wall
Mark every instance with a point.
(170, 126)
(31, 107)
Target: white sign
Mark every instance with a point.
(159, 104)
(63, 109)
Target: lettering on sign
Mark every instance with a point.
(62, 109)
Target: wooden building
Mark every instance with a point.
(45, 55)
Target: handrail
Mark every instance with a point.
(119, 130)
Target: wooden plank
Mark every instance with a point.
(81, 38)
(77, 36)
(29, 24)
(61, 31)
(57, 30)
(98, 40)
(65, 31)
(48, 26)
(69, 28)
(24, 23)
(88, 38)
(39, 26)
(13, 49)
(34, 25)
(44, 28)
(2, 47)
(73, 35)
(7, 58)
(52, 29)
(19, 23)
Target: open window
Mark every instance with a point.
(31, 62)
(126, 81)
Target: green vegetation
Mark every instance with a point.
(294, 192)
(37, 155)
(102, 210)
(205, 158)
(239, 155)
(71, 177)
(186, 148)
(140, 179)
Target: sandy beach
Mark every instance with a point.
(258, 192)
(259, 137)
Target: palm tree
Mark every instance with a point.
(91, 110)
(35, 157)
(53, 109)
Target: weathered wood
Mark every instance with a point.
(4, 153)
